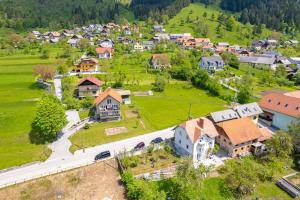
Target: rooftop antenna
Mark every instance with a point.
(190, 109)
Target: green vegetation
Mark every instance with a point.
(19, 95)
(192, 19)
(50, 119)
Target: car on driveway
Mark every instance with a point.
(102, 155)
(157, 140)
(139, 146)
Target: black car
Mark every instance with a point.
(139, 146)
(102, 155)
(157, 140)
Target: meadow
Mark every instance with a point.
(19, 95)
(195, 11)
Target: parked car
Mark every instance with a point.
(139, 146)
(157, 140)
(102, 155)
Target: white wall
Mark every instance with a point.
(183, 141)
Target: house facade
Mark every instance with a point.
(241, 137)
(104, 53)
(160, 61)
(108, 106)
(212, 63)
(280, 109)
(89, 87)
(195, 138)
(87, 65)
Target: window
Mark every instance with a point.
(270, 101)
(297, 108)
(187, 146)
(179, 141)
(235, 150)
(187, 137)
(242, 148)
(224, 140)
(286, 105)
(108, 101)
(278, 103)
(254, 117)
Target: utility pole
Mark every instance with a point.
(190, 109)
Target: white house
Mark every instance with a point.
(107, 43)
(195, 138)
(280, 109)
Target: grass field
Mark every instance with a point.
(196, 10)
(17, 108)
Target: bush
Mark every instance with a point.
(87, 126)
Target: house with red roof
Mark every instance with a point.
(195, 138)
(89, 87)
(280, 109)
(104, 52)
(108, 105)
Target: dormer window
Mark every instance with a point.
(108, 101)
(297, 108)
(286, 105)
(270, 101)
(278, 103)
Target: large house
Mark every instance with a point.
(260, 61)
(195, 138)
(240, 137)
(89, 87)
(108, 105)
(160, 61)
(104, 53)
(86, 65)
(280, 109)
(212, 63)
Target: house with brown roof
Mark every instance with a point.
(160, 61)
(108, 105)
(86, 64)
(104, 53)
(240, 137)
(195, 138)
(89, 87)
(280, 109)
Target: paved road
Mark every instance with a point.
(58, 87)
(79, 158)
(60, 148)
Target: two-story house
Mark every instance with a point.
(104, 53)
(108, 105)
(89, 87)
(86, 64)
(212, 63)
(195, 138)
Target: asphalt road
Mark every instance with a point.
(80, 158)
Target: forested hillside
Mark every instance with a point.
(21, 14)
(283, 15)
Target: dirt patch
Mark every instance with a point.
(115, 131)
(131, 114)
(98, 181)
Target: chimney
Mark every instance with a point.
(201, 122)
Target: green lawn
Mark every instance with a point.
(17, 109)
(96, 134)
(195, 10)
(171, 107)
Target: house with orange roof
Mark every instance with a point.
(108, 105)
(280, 109)
(241, 137)
(89, 87)
(195, 138)
(104, 52)
(160, 61)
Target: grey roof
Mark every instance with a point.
(224, 115)
(271, 53)
(212, 59)
(258, 60)
(248, 110)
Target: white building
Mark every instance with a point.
(280, 109)
(195, 138)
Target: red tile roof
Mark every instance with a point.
(240, 130)
(195, 128)
(281, 103)
(101, 50)
(91, 79)
(108, 92)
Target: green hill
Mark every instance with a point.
(190, 19)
